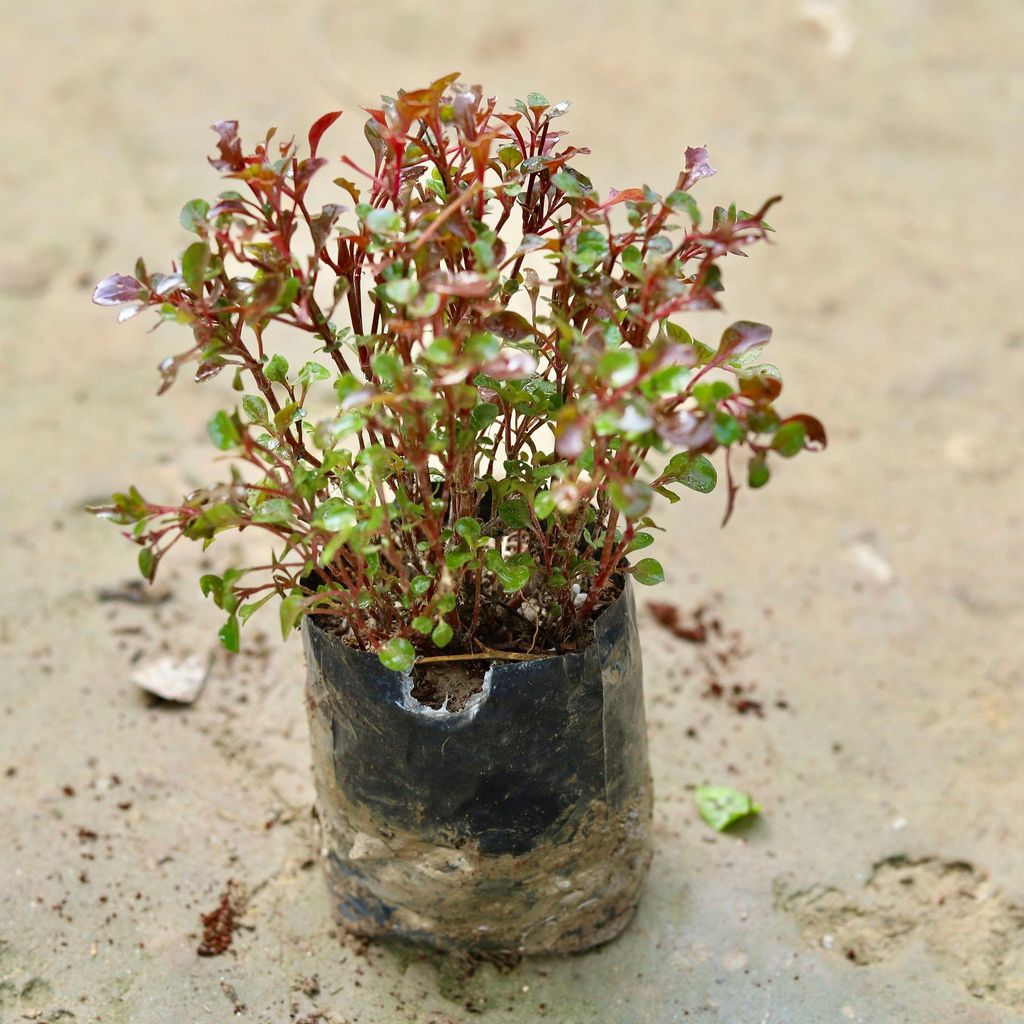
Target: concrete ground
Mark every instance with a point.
(876, 592)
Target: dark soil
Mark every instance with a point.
(451, 681)
(505, 623)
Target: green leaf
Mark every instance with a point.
(544, 504)
(287, 295)
(483, 347)
(640, 541)
(419, 585)
(401, 291)
(789, 438)
(337, 517)
(332, 547)
(442, 634)
(247, 610)
(512, 576)
(727, 429)
(212, 520)
(536, 99)
(457, 558)
(423, 624)
(228, 634)
(311, 372)
(649, 572)
(618, 367)
(194, 261)
(147, 563)
(758, 471)
(273, 510)
(193, 213)
(631, 497)
(223, 430)
(591, 249)
(669, 380)
(515, 513)
(693, 471)
(722, 806)
(287, 415)
(387, 367)
(709, 393)
(468, 529)
(382, 222)
(441, 351)
(569, 184)
(276, 369)
(256, 409)
(683, 201)
(633, 261)
(483, 415)
(510, 156)
(397, 654)
(291, 611)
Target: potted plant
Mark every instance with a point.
(456, 489)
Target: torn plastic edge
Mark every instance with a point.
(465, 714)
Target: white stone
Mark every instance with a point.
(177, 679)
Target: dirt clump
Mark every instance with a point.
(219, 924)
(974, 932)
(448, 684)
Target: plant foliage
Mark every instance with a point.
(503, 360)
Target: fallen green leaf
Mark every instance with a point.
(722, 806)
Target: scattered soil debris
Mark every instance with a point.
(719, 653)
(668, 616)
(310, 986)
(736, 696)
(459, 975)
(134, 592)
(220, 923)
(229, 990)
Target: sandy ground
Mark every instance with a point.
(877, 592)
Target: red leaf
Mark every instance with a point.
(685, 429)
(742, 336)
(320, 125)
(634, 195)
(306, 169)
(816, 439)
(511, 364)
(508, 324)
(114, 290)
(466, 284)
(230, 147)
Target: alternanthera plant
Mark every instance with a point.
(507, 364)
